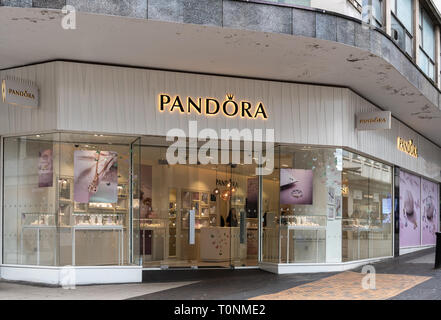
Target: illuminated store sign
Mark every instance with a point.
(407, 147)
(20, 93)
(212, 106)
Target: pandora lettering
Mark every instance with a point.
(211, 106)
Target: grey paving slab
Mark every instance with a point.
(14, 291)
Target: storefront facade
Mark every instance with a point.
(86, 181)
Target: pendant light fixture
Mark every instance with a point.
(216, 191)
(232, 187)
(225, 195)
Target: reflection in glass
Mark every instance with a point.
(367, 208)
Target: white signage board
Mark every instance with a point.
(381, 120)
(191, 227)
(20, 93)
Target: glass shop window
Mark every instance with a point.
(402, 24)
(67, 200)
(310, 205)
(367, 208)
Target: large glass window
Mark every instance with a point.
(402, 24)
(310, 205)
(427, 45)
(196, 215)
(367, 208)
(67, 200)
(29, 201)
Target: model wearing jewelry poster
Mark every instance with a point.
(146, 192)
(410, 231)
(296, 186)
(95, 176)
(429, 211)
(45, 169)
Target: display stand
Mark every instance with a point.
(120, 229)
(303, 228)
(38, 228)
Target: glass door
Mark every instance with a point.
(244, 215)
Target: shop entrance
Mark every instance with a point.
(195, 215)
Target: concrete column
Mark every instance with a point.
(387, 17)
(437, 55)
(416, 28)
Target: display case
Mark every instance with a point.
(305, 238)
(304, 221)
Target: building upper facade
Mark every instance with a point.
(385, 50)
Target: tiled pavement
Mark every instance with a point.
(408, 277)
(347, 286)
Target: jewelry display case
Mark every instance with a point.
(37, 219)
(304, 231)
(304, 221)
(36, 229)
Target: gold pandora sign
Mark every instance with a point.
(407, 147)
(212, 106)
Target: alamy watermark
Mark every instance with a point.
(258, 147)
(369, 280)
(68, 277)
(69, 21)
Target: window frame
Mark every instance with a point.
(421, 44)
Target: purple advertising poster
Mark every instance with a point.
(252, 194)
(95, 176)
(146, 192)
(410, 209)
(45, 169)
(429, 211)
(296, 186)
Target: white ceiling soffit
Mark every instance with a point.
(33, 35)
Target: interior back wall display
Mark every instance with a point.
(95, 176)
(296, 186)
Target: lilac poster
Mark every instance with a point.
(146, 192)
(429, 211)
(410, 230)
(45, 169)
(296, 186)
(95, 176)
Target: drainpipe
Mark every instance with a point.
(437, 55)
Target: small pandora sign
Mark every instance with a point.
(20, 93)
(373, 120)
